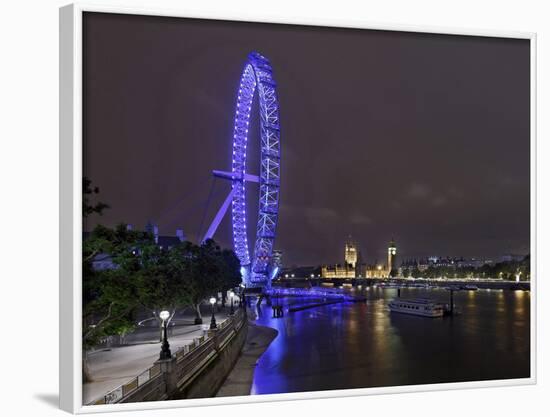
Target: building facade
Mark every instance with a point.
(354, 268)
(392, 252)
(375, 270)
(277, 259)
(351, 254)
(338, 271)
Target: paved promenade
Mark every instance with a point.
(113, 367)
(239, 381)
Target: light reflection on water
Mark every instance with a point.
(357, 345)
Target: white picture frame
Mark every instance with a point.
(70, 286)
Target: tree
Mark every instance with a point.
(144, 276)
(185, 275)
(109, 296)
(231, 271)
(211, 270)
(416, 273)
(204, 275)
(231, 274)
(164, 280)
(87, 207)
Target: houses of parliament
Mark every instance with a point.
(353, 267)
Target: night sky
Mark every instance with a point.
(419, 137)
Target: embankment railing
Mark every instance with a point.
(188, 359)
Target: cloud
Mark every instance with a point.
(439, 201)
(360, 219)
(396, 205)
(417, 190)
(424, 192)
(455, 193)
(508, 182)
(313, 215)
(321, 213)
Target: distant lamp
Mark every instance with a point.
(232, 309)
(165, 352)
(213, 324)
(242, 298)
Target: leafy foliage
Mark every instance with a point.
(144, 276)
(212, 270)
(110, 295)
(141, 275)
(87, 207)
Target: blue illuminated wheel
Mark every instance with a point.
(256, 76)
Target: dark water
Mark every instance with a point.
(360, 345)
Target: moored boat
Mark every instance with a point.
(418, 307)
(470, 287)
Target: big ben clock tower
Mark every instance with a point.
(392, 251)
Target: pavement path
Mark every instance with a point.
(239, 381)
(115, 366)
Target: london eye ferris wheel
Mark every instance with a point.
(256, 80)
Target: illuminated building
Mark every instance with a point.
(349, 269)
(277, 259)
(337, 271)
(512, 258)
(378, 270)
(392, 251)
(407, 267)
(353, 268)
(375, 270)
(350, 254)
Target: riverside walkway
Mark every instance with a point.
(112, 367)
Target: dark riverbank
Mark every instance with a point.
(404, 283)
(239, 381)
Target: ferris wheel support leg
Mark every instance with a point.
(219, 216)
(226, 175)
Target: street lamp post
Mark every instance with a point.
(232, 309)
(240, 296)
(213, 324)
(243, 296)
(165, 348)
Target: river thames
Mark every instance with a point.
(361, 345)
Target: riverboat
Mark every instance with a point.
(470, 288)
(388, 285)
(418, 285)
(418, 307)
(453, 288)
